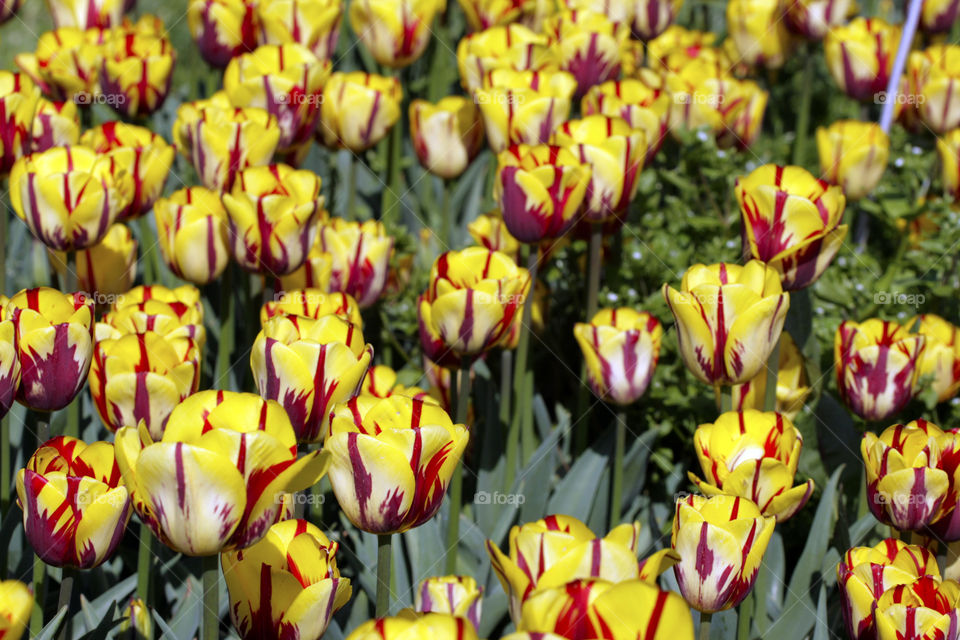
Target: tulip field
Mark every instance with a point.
(463, 319)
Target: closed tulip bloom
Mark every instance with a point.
(199, 488)
(137, 619)
(639, 105)
(791, 221)
(743, 124)
(287, 81)
(860, 56)
(358, 110)
(381, 382)
(652, 17)
(706, 94)
(315, 273)
(483, 14)
(308, 366)
(396, 32)
(489, 230)
(588, 45)
(84, 14)
(223, 29)
(938, 16)
(729, 317)
(438, 626)
(472, 299)
(192, 234)
(934, 85)
(137, 71)
(314, 24)
(447, 135)
(615, 152)
(183, 300)
(940, 360)
(454, 595)
(288, 583)
(65, 64)
(55, 345)
(754, 455)
(540, 190)
(312, 303)
(69, 196)
(108, 268)
(853, 155)
(510, 46)
(9, 363)
(360, 255)
(523, 107)
(813, 18)
(793, 386)
(75, 505)
(392, 460)
(615, 10)
(18, 105)
(16, 603)
(947, 526)
(678, 45)
(877, 366)
(621, 348)
(170, 320)
(55, 124)
(926, 609)
(948, 148)
(273, 214)
(759, 32)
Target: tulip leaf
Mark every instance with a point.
(837, 439)
(99, 632)
(536, 475)
(52, 628)
(186, 618)
(164, 627)
(820, 629)
(589, 470)
(768, 589)
(119, 592)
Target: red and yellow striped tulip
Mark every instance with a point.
(54, 344)
(621, 348)
(877, 366)
(728, 319)
(721, 542)
(86, 14)
(446, 136)
(273, 213)
(589, 45)
(926, 609)
(813, 18)
(314, 24)
(308, 366)
(288, 583)
(106, 269)
(860, 56)
(793, 386)
(199, 488)
(753, 455)
(75, 506)
(639, 105)
(223, 29)
(940, 360)
(9, 363)
(489, 230)
(56, 124)
(66, 63)
(137, 71)
(938, 16)
(392, 460)
(381, 382)
(454, 595)
(853, 155)
(312, 303)
(510, 46)
(744, 123)
(791, 221)
(358, 110)
(438, 626)
(483, 14)
(947, 526)
(315, 273)
(360, 257)
(16, 603)
(948, 148)
(677, 46)
(69, 196)
(192, 234)
(19, 98)
(169, 312)
(615, 10)
(934, 86)
(395, 32)
(759, 32)
(653, 17)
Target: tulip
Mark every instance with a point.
(946, 528)
(876, 364)
(192, 234)
(441, 381)
(198, 489)
(642, 107)
(223, 29)
(484, 14)
(18, 104)
(793, 387)
(615, 152)
(308, 366)
(391, 461)
(677, 46)
(588, 46)
(16, 603)
(511, 46)
(286, 80)
(934, 85)
(312, 303)
(948, 148)
(759, 32)
(860, 56)
(56, 124)
(137, 71)
(489, 230)
(86, 14)
(65, 63)
(523, 107)
(540, 190)
(396, 32)
(470, 305)
(9, 364)
(938, 16)
(728, 318)
(314, 24)
(454, 595)
(272, 213)
(360, 256)
(69, 196)
(706, 95)
(621, 348)
(288, 583)
(143, 154)
(142, 306)
(853, 155)
(381, 382)
(865, 573)
(54, 345)
(926, 609)
(7, 10)
(107, 268)
(653, 17)
(75, 506)
(447, 135)
(315, 273)
(744, 124)
(813, 18)
(358, 109)
(437, 626)
(940, 360)
(791, 221)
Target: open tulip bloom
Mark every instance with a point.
(454, 595)
(312, 303)
(926, 609)
(55, 124)
(793, 386)
(510, 46)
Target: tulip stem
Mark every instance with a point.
(724, 397)
(593, 281)
(66, 595)
(773, 370)
(446, 222)
(384, 565)
(705, 619)
(210, 628)
(352, 189)
(73, 409)
(456, 483)
(523, 405)
(227, 321)
(145, 564)
(506, 419)
(39, 595)
(616, 492)
(803, 113)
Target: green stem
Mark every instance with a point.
(210, 626)
(725, 396)
(227, 324)
(151, 264)
(66, 595)
(523, 405)
(456, 483)
(384, 562)
(446, 213)
(773, 370)
(705, 619)
(351, 213)
(73, 409)
(145, 564)
(506, 421)
(593, 276)
(803, 114)
(616, 492)
(39, 596)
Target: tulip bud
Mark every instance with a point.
(860, 56)
(653, 17)
(793, 387)
(65, 64)
(314, 24)
(56, 124)
(934, 75)
(136, 622)
(9, 363)
(938, 16)
(360, 255)
(75, 506)
(454, 595)
(358, 109)
(198, 489)
(16, 603)
(223, 29)
(490, 231)
(728, 319)
(192, 234)
(813, 18)
(314, 304)
(392, 460)
(396, 32)
(273, 212)
(926, 609)
(381, 382)
(18, 104)
(588, 45)
(137, 71)
(446, 136)
(642, 107)
(288, 583)
(853, 155)
(511, 46)
(108, 268)
(876, 363)
(437, 626)
(759, 32)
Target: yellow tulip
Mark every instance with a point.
(813, 18)
(926, 609)
(9, 362)
(743, 124)
(192, 234)
(437, 626)
(85, 14)
(168, 312)
(853, 155)
(510, 46)
(588, 45)
(653, 17)
(313, 23)
(315, 273)
(381, 382)
(678, 45)
(948, 148)
(639, 105)
(934, 76)
(938, 16)
(136, 619)
(359, 253)
(447, 135)
(484, 14)
(358, 109)
(860, 56)
(56, 124)
(66, 63)
(793, 387)
(19, 98)
(137, 71)
(16, 603)
(396, 32)
(759, 32)
(940, 359)
(312, 303)
(223, 29)
(490, 231)
(454, 595)
(105, 270)
(705, 94)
